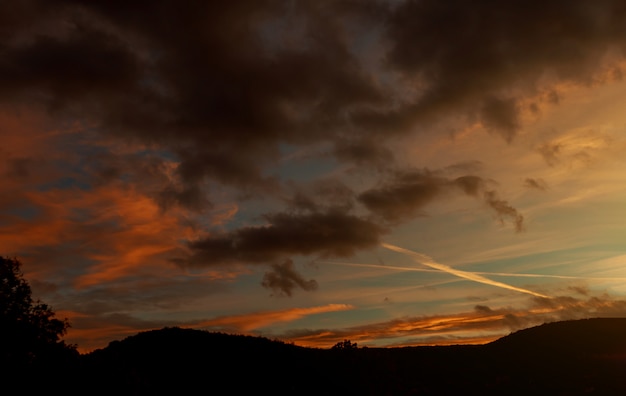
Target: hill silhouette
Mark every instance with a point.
(584, 336)
(569, 358)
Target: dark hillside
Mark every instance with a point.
(569, 358)
(576, 337)
(174, 359)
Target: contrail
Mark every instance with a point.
(429, 262)
(508, 274)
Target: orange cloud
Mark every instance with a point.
(257, 320)
(463, 328)
(118, 230)
(430, 330)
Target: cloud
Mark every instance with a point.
(503, 210)
(550, 153)
(366, 151)
(482, 325)
(252, 321)
(404, 194)
(501, 116)
(327, 234)
(283, 278)
(482, 58)
(223, 81)
(579, 147)
(538, 184)
(214, 102)
(247, 78)
(127, 131)
(321, 195)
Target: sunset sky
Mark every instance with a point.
(390, 172)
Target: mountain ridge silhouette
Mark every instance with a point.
(575, 357)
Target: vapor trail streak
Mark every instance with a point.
(429, 262)
(508, 274)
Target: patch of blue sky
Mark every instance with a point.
(351, 317)
(397, 278)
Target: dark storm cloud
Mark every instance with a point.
(321, 196)
(218, 84)
(283, 279)
(481, 57)
(230, 87)
(222, 84)
(327, 234)
(220, 88)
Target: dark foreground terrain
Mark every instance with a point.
(563, 358)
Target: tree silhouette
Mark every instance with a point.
(345, 345)
(29, 333)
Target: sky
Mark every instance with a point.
(416, 172)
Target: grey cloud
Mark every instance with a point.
(582, 290)
(209, 90)
(478, 58)
(470, 185)
(482, 309)
(321, 195)
(406, 193)
(500, 116)
(471, 166)
(222, 85)
(283, 279)
(326, 234)
(538, 184)
(503, 210)
(369, 152)
(550, 153)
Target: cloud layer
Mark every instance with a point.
(164, 140)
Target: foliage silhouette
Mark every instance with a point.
(345, 345)
(31, 335)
